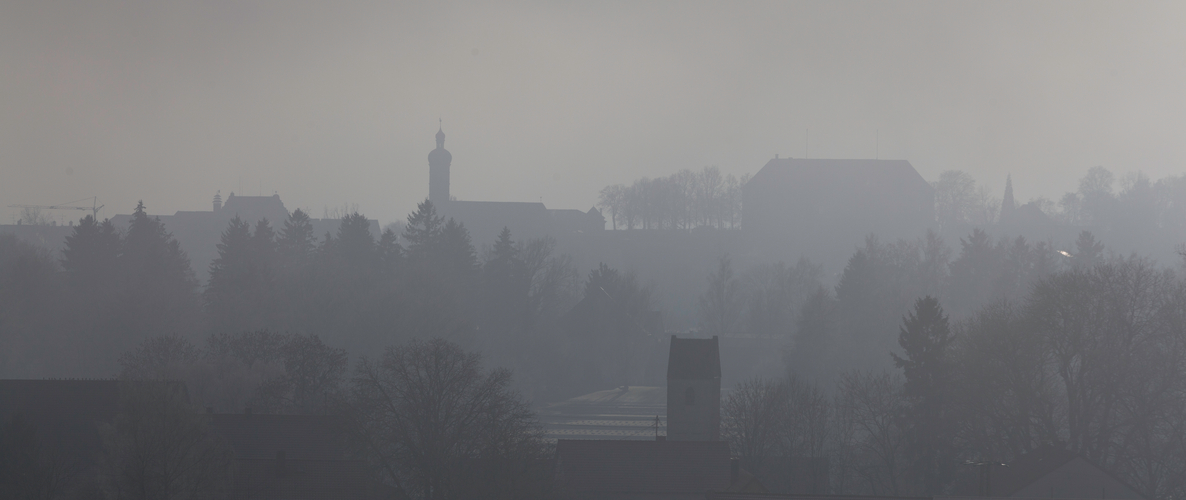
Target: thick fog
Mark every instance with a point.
(328, 104)
(450, 251)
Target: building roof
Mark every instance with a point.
(1059, 472)
(66, 413)
(860, 175)
(642, 466)
(622, 413)
(694, 359)
(300, 437)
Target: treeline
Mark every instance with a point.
(427, 417)
(1083, 353)
(684, 200)
(112, 288)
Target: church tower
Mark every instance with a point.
(694, 390)
(438, 171)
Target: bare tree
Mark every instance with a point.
(755, 420)
(720, 306)
(158, 447)
(874, 404)
(429, 417)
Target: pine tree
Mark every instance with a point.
(91, 255)
(456, 251)
(423, 228)
(355, 243)
(1088, 251)
(506, 287)
(297, 242)
(239, 294)
(160, 290)
(925, 338)
(390, 251)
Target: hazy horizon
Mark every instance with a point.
(334, 104)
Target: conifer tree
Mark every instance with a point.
(925, 338)
(92, 253)
(296, 243)
(160, 290)
(423, 228)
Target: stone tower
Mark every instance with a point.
(694, 390)
(438, 171)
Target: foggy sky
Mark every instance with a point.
(337, 102)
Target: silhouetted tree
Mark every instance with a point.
(296, 243)
(158, 447)
(29, 468)
(811, 351)
(432, 420)
(720, 306)
(925, 338)
(242, 287)
(91, 255)
(1088, 251)
(160, 290)
(29, 293)
(774, 294)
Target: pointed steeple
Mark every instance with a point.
(1008, 206)
(439, 160)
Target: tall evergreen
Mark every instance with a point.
(925, 338)
(91, 254)
(296, 242)
(160, 287)
(241, 292)
(423, 228)
(456, 250)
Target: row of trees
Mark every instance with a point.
(1090, 360)
(684, 200)
(114, 287)
(429, 418)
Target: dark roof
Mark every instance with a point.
(66, 413)
(864, 175)
(305, 479)
(727, 495)
(300, 437)
(642, 466)
(694, 359)
(1036, 465)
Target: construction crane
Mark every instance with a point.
(94, 208)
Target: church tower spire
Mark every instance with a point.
(1007, 204)
(438, 171)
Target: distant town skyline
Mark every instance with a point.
(337, 104)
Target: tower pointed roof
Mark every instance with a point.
(440, 135)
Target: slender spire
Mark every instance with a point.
(1007, 204)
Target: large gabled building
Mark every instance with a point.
(820, 206)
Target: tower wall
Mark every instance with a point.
(698, 419)
(438, 183)
(439, 160)
(694, 390)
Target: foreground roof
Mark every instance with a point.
(642, 466)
